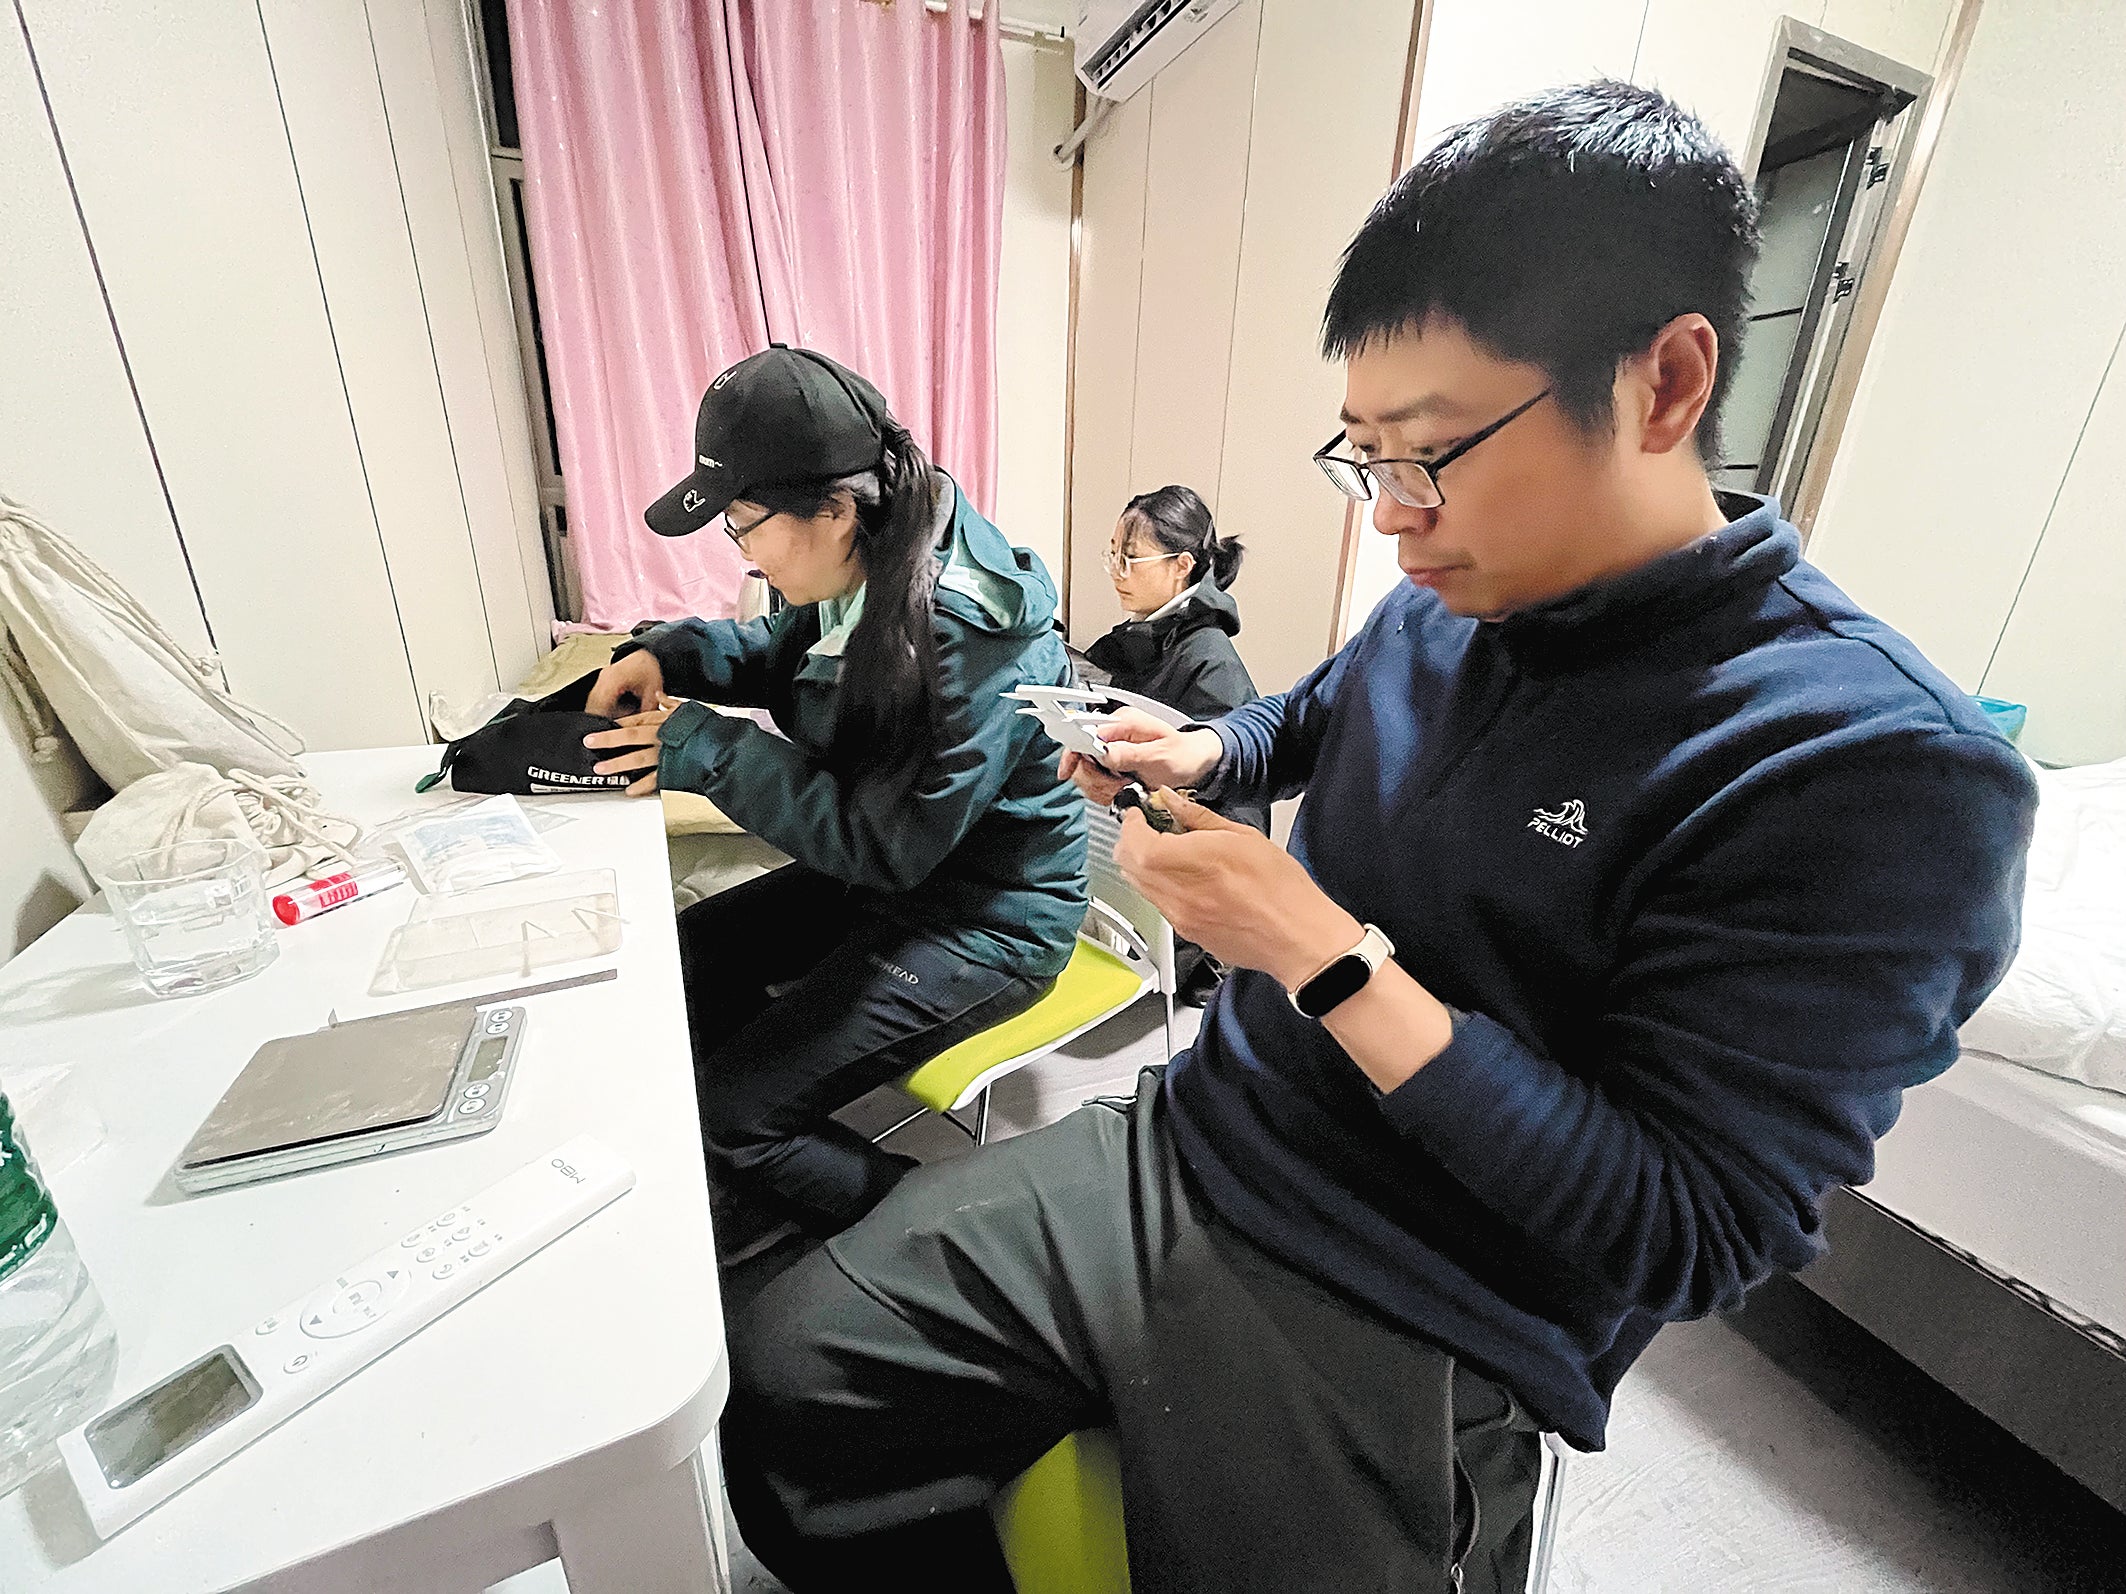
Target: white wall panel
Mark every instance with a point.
(73, 449)
(1110, 275)
(334, 105)
(1033, 302)
(1195, 182)
(1226, 211)
(1911, 31)
(1485, 52)
(2064, 651)
(1993, 340)
(71, 443)
(1712, 58)
(1307, 193)
(425, 58)
(171, 121)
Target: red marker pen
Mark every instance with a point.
(312, 897)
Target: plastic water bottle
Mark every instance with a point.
(57, 1351)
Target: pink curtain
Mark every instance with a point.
(704, 177)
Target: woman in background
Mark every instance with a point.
(1171, 570)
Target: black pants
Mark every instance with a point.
(861, 1002)
(1273, 1437)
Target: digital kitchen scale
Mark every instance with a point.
(356, 1090)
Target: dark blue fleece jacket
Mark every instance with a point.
(1713, 864)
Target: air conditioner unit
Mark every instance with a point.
(1122, 43)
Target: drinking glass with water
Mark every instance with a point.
(194, 913)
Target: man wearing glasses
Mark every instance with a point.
(1639, 873)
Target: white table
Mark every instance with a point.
(567, 1410)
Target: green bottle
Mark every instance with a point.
(57, 1350)
(27, 1215)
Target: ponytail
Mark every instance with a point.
(888, 712)
(1179, 521)
(1225, 554)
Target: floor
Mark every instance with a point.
(1780, 1451)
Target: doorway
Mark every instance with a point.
(1831, 144)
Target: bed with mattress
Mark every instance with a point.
(1990, 1248)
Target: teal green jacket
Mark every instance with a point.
(982, 847)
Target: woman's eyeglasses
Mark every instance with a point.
(738, 533)
(1413, 483)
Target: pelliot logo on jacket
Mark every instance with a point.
(1566, 825)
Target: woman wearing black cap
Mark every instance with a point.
(939, 880)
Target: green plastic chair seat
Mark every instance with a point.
(1095, 983)
(1060, 1521)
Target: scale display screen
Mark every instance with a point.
(488, 1058)
(136, 1438)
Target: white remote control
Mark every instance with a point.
(146, 1448)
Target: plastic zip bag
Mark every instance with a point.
(490, 842)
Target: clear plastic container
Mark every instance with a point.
(57, 1350)
(507, 930)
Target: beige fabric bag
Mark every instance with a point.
(130, 696)
(186, 758)
(278, 816)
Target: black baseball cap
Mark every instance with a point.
(782, 415)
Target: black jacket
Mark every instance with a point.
(1185, 659)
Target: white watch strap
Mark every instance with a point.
(1375, 947)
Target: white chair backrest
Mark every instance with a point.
(1123, 900)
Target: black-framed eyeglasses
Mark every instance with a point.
(1413, 483)
(738, 533)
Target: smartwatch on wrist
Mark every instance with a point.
(1344, 978)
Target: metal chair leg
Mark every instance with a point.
(977, 1132)
(885, 1134)
(1553, 1493)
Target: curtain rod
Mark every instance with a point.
(1023, 32)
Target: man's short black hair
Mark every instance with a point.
(1563, 231)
